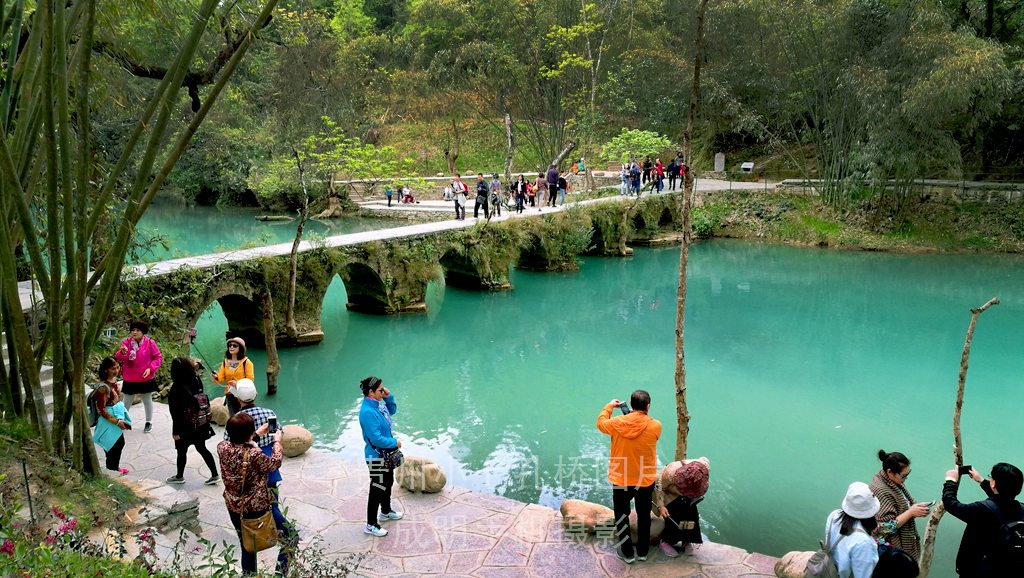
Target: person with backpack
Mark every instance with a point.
(190, 418)
(993, 542)
(851, 551)
(234, 367)
(108, 415)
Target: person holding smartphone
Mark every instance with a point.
(375, 413)
(898, 510)
(991, 546)
(632, 470)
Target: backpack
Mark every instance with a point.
(90, 403)
(822, 564)
(1006, 558)
(198, 412)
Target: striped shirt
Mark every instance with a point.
(894, 499)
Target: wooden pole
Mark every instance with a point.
(958, 449)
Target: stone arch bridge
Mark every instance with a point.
(386, 271)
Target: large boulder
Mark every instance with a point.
(418, 474)
(581, 517)
(295, 440)
(657, 527)
(792, 565)
(218, 411)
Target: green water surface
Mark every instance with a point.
(169, 229)
(801, 364)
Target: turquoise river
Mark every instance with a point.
(801, 364)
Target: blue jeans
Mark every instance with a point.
(562, 191)
(289, 539)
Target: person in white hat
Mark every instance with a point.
(848, 532)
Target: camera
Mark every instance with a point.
(272, 425)
(624, 406)
(964, 470)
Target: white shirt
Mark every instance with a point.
(857, 555)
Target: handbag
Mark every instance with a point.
(392, 459)
(258, 533)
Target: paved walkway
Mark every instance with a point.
(454, 533)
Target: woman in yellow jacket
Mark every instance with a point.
(234, 367)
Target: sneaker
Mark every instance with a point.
(375, 531)
(149, 428)
(212, 480)
(668, 550)
(392, 515)
(642, 558)
(175, 480)
(621, 556)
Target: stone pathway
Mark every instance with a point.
(453, 533)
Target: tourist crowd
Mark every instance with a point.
(873, 533)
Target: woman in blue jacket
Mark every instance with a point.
(375, 420)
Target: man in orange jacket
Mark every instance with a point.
(632, 469)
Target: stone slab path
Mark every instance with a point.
(457, 532)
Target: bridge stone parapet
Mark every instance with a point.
(384, 271)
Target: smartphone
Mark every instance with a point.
(964, 470)
(931, 503)
(272, 425)
(624, 406)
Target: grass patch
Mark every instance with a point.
(54, 483)
(827, 228)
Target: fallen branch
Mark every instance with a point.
(958, 450)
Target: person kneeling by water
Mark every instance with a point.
(680, 487)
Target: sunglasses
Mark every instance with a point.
(230, 345)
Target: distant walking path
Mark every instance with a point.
(453, 533)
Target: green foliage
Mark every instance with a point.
(634, 144)
(350, 20)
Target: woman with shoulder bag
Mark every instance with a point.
(182, 403)
(380, 452)
(234, 367)
(848, 533)
(244, 469)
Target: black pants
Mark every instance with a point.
(496, 203)
(182, 446)
(381, 480)
(476, 210)
(672, 181)
(621, 497)
(114, 454)
(389, 200)
(460, 211)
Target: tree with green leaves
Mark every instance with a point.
(631, 144)
(61, 199)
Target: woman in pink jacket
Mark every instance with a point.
(139, 358)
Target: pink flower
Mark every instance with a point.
(60, 515)
(7, 547)
(122, 471)
(51, 539)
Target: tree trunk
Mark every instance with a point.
(568, 148)
(510, 140)
(990, 16)
(928, 551)
(451, 147)
(682, 413)
(270, 341)
(293, 260)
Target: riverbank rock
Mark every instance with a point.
(580, 516)
(295, 440)
(657, 527)
(418, 474)
(792, 565)
(218, 411)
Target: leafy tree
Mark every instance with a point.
(631, 144)
(57, 190)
